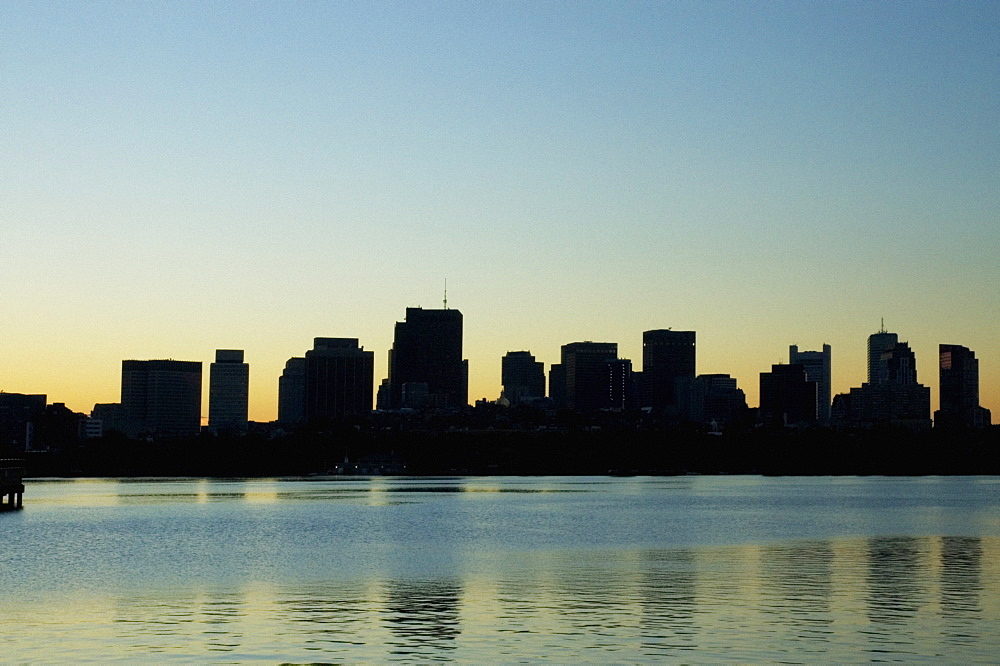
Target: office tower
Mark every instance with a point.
(817, 365)
(292, 392)
(228, 392)
(111, 415)
(894, 398)
(666, 357)
(787, 398)
(878, 344)
(161, 398)
(18, 414)
(557, 386)
(586, 374)
(339, 379)
(427, 348)
(711, 398)
(621, 385)
(958, 377)
(522, 376)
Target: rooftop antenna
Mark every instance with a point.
(446, 293)
(882, 330)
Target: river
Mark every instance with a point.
(693, 568)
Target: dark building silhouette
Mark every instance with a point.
(292, 392)
(557, 386)
(111, 417)
(817, 366)
(666, 357)
(878, 344)
(334, 379)
(161, 398)
(896, 399)
(340, 377)
(586, 375)
(711, 398)
(622, 389)
(787, 398)
(958, 388)
(522, 376)
(228, 392)
(427, 348)
(19, 413)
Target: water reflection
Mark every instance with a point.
(423, 616)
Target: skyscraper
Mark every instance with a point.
(427, 348)
(522, 376)
(817, 366)
(958, 375)
(161, 398)
(587, 376)
(666, 357)
(892, 397)
(339, 379)
(878, 344)
(292, 392)
(787, 398)
(228, 392)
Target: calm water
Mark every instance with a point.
(690, 569)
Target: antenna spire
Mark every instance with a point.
(446, 293)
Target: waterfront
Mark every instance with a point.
(484, 569)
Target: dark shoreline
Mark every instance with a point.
(813, 452)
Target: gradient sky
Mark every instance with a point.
(177, 177)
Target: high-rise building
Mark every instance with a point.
(339, 379)
(958, 376)
(878, 344)
(522, 376)
(711, 398)
(228, 392)
(666, 357)
(18, 414)
(817, 366)
(787, 398)
(161, 398)
(892, 397)
(427, 348)
(292, 392)
(586, 374)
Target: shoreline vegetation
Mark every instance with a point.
(363, 447)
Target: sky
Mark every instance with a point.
(181, 177)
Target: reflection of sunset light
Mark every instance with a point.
(263, 491)
(201, 492)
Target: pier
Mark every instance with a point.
(11, 484)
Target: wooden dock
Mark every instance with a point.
(11, 484)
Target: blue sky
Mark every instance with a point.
(178, 177)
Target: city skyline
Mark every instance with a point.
(179, 179)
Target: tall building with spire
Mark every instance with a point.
(427, 349)
(878, 344)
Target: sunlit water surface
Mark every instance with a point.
(695, 569)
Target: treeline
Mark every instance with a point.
(558, 451)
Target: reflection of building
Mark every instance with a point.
(161, 398)
(666, 357)
(959, 389)
(427, 348)
(522, 376)
(895, 399)
(817, 366)
(787, 398)
(228, 391)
